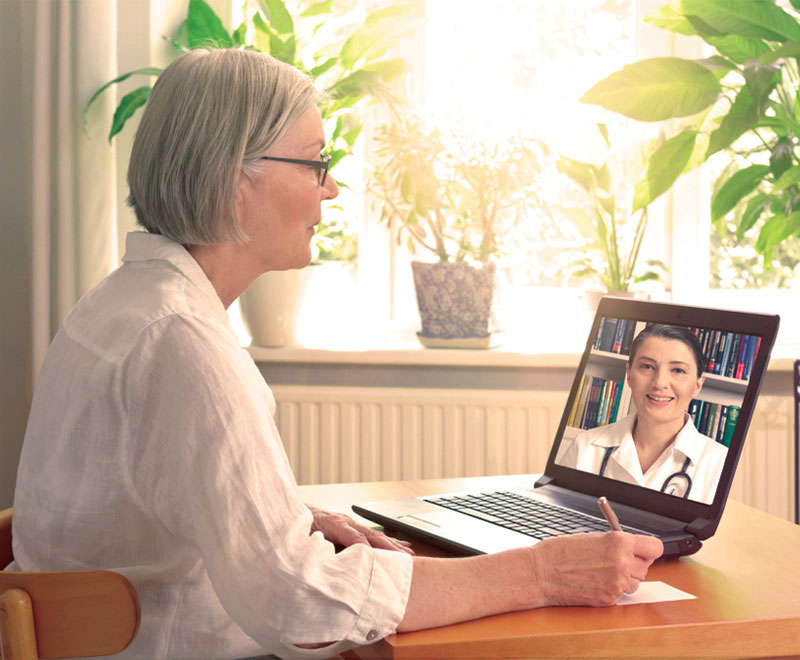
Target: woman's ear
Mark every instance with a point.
(700, 382)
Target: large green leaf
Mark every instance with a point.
(669, 17)
(736, 188)
(789, 49)
(738, 48)
(204, 27)
(761, 19)
(656, 89)
(382, 30)
(127, 106)
(663, 168)
(278, 16)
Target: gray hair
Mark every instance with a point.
(209, 112)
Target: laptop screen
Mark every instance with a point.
(661, 402)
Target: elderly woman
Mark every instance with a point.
(657, 446)
(151, 448)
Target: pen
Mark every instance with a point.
(608, 512)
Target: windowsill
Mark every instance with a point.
(400, 346)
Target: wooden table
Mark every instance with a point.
(746, 579)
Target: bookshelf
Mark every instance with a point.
(604, 396)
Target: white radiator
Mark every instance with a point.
(343, 434)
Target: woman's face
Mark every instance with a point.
(279, 206)
(663, 379)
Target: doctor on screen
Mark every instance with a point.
(658, 446)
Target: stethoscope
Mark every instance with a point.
(678, 483)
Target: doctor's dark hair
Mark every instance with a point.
(210, 115)
(671, 332)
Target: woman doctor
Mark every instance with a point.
(657, 446)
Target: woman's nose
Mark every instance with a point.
(330, 189)
(661, 378)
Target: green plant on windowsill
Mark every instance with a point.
(741, 105)
(612, 220)
(456, 198)
(345, 57)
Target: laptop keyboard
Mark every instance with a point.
(522, 514)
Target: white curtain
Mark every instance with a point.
(73, 214)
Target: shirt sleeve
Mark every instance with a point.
(204, 457)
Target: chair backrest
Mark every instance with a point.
(63, 614)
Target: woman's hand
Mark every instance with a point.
(592, 569)
(342, 530)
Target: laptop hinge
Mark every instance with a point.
(543, 481)
(702, 528)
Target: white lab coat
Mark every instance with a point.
(587, 449)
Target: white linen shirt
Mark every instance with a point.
(587, 449)
(151, 450)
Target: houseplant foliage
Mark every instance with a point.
(741, 102)
(455, 198)
(610, 218)
(347, 60)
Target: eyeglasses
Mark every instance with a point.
(321, 165)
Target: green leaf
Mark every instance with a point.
(781, 156)
(761, 19)
(318, 70)
(669, 17)
(382, 30)
(240, 35)
(148, 71)
(789, 178)
(656, 89)
(357, 84)
(204, 28)
(756, 205)
(761, 80)
(283, 50)
(738, 48)
(663, 168)
(742, 116)
(736, 188)
(318, 9)
(278, 16)
(127, 106)
(789, 49)
(388, 69)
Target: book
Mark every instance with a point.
(580, 401)
(723, 420)
(730, 425)
(622, 325)
(609, 331)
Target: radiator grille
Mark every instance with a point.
(342, 434)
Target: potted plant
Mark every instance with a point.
(455, 198)
(348, 62)
(742, 101)
(610, 218)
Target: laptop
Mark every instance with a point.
(682, 511)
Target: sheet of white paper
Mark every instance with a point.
(654, 592)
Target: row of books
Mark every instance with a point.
(615, 335)
(716, 420)
(599, 402)
(728, 354)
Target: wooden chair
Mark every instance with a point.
(64, 614)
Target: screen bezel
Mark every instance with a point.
(703, 516)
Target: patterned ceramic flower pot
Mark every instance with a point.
(455, 303)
